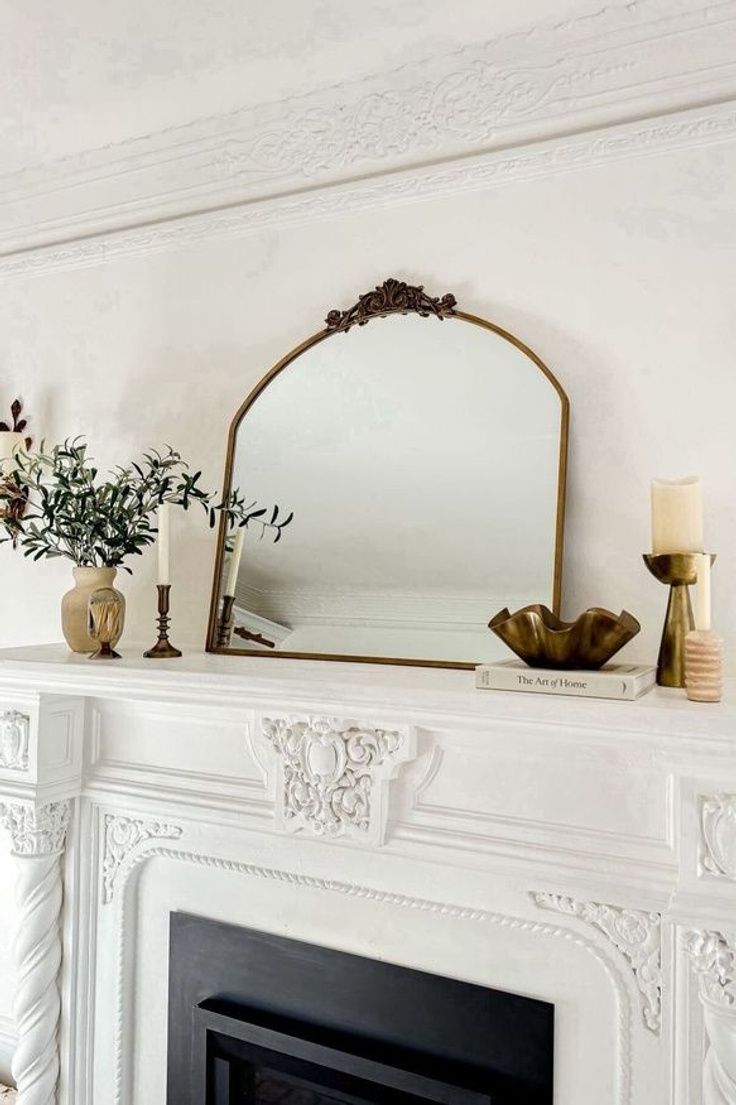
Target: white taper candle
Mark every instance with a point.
(702, 594)
(234, 567)
(164, 544)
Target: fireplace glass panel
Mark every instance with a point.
(297, 1070)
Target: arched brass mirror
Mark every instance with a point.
(422, 452)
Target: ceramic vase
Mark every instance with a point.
(75, 604)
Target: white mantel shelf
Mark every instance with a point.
(416, 692)
(578, 850)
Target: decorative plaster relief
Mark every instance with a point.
(36, 830)
(693, 128)
(332, 775)
(713, 959)
(718, 836)
(615, 65)
(122, 834)
(634, 933)
(14, 732)
(712, 956)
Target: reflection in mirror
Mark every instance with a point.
(423, 459)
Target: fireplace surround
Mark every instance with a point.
(250, 1012)
(578, 853)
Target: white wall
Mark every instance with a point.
(617, 269)
(621, 277)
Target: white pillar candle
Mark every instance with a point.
(234, 567)
(10, 444)
(702, 594)
(677, 516)
(164, 541)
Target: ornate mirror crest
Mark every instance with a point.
(390, 298)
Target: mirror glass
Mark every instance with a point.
(422, 459)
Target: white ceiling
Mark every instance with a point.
(81, 75)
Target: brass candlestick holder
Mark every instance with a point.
(225, 625)
(163, 649)
(679, 571)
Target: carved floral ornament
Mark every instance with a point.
(713, 959)
(332, 774)
(718, 836)
(36, 830)
(14, 734)
(122, 835)
(634, 933)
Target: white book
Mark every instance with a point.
(622, 681)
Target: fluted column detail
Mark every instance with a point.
(39, 837)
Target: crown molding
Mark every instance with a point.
(555, 98)
(682, 131)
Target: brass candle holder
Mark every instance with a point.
(163, 649)
(225, 625)
(679, 571)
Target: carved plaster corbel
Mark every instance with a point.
(333, 775)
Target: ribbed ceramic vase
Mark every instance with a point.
(75, 603)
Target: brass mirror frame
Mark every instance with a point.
(391, 297)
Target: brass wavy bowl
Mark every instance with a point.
(542, 640)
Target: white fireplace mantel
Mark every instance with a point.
(579, 851)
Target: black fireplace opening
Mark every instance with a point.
(257, 1019)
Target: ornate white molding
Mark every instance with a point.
(713, 959)
(122, 834)
(332, 775)
(610, 67)
(634, 933)
(36, 830)
(692, 128)
(718, 836)
(14, 733)
(367, 893)
(712, 956)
